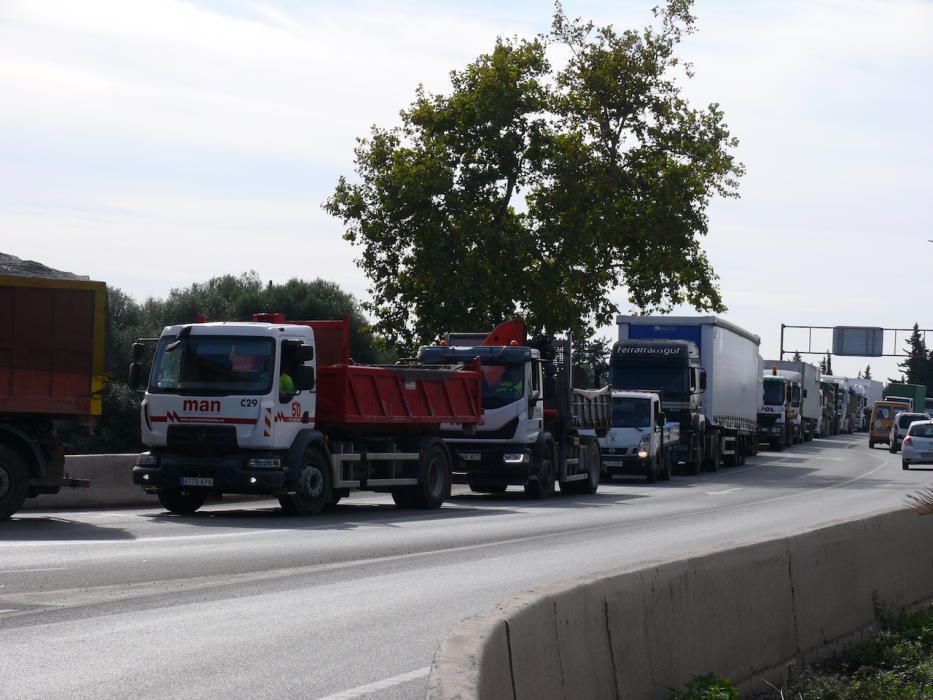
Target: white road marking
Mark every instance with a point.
(6, 610)
(717, 493)
(362, 690)
(29, 571)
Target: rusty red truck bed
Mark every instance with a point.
(52, 338)
(364, 397)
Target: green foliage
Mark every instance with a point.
(707, 687)
(796, 357)
(536, 192)
(895, 664)
(918, 365)
(867, 373)
(591, 363)
(226, 298)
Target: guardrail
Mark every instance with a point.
(748, 614)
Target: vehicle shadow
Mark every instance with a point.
(41, 528)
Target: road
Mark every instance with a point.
(241, 601)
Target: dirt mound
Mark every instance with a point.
(12, 266)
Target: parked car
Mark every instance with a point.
(918, 444)
(899, 427)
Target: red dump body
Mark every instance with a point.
(359, 397)
(52, 334)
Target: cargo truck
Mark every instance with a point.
(537, 430)
(708, 373)
(915, 394)
(52, 346)
(809, 408)
(779, 423)
(828, 391)
(278, 408)
(641, 440)
(842, 418)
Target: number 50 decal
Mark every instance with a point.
(296, 409)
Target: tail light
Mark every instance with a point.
(908, 440)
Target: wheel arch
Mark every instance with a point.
(17, 440)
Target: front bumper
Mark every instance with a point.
(488, 462)
(615, 463)
(227, 474)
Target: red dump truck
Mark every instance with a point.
(52, 344)
(278, 407)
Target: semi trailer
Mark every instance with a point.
(914, 394)
(708, 373)
(537, 429)
(52, 347)
(278, 407)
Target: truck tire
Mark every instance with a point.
(433, 478)
(543, 486)
(892, 448)
(181, 501)
(14, 482)
(871, 444)
(714, 461)
(314, 489)
(666, 465)
(651, 473)
(589, 485)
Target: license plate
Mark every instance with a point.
(613, 463)
(196, 481)
(470, 457)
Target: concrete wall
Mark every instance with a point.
(747, 614)
(111, 479)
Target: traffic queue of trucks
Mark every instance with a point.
(277, 407)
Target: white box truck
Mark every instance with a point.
(708, 373)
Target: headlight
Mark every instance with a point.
(515, 458)
(264, 463)
(147, 459)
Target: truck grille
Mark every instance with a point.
(201, 438)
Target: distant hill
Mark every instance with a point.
(12, 266)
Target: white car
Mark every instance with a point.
(900, 425)
(917, 447)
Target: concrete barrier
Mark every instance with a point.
(748, 613)
(111, 479)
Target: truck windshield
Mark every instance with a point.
(773, 393)
(670, 380)
(213, 365)
(502, 384)
(631, 413)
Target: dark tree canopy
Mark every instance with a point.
(537, 191)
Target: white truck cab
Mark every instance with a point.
(639, 441)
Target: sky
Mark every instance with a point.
(156, 143)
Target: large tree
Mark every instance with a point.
(539, 191)
(916, 364)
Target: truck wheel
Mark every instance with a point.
(14, 482)
(871, 444)
(693, 468)
(543, 486)
(433, 479)
(181, 501)
(589, 485)
(651, 474)
(666, 461)
(715, 460)
(314, 488)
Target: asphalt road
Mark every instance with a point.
(241, 601)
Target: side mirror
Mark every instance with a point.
(702, 380)
(135, 370)
(304, 378)
(138, 349)
(662, 419)
(304, 353)
(804, 393)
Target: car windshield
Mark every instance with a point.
(631, 413)
(502, 384)
(213, 365)
(905, 419)
(670, 380)
(773, 393)
(921, 430)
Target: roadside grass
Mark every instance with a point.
(896, 663)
